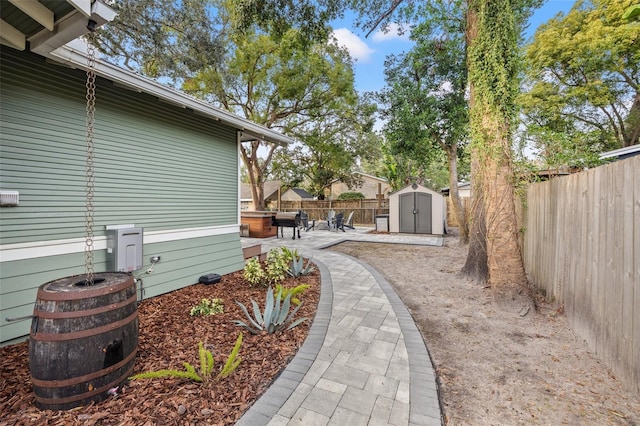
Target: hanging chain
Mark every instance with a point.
(90, 177)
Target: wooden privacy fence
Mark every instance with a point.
(451, 216)
(582, 246)
(364, 211)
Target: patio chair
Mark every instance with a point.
(348, 223)
(304, 220)
(331, 218)
(339, 222)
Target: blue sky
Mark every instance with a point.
(369, 53)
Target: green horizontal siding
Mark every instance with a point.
(183, 262)
(156, 165)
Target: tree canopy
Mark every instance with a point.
(332, 146)
(583, 83)
(281, 84)
(426, 104)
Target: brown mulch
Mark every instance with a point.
(169, 336)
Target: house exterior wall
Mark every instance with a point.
(438, 209)
(291, 195)
(157, 166)
(368, 186)
(464, 192)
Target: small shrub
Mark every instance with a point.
(254, 273)
(351, 196)
(277, 266)
(205, 372)
(288, 254)
(276, 316)
(208, 307)
(294, 291)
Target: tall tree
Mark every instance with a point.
(584, 73)
(164, 38)
(280, 78)
(492, 35)
(426, 105)
(493, 70)
(331, 148)
(492, 66)
(280, 84)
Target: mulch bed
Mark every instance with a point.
(169, 336)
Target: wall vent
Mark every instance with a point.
(9, 198)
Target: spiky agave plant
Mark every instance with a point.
(275, 317)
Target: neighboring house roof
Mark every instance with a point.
(301, 193)
(270, 189)
(621, 153)
(381, 179)
(461, 185)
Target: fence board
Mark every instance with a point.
(635, 268)
(626, 269)
(582, 246)
(364, 211)
(451, 216)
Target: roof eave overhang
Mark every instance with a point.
(70, 28)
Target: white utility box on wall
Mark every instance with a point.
(124, 249)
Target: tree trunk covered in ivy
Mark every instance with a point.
(493, 67)
(476, 265)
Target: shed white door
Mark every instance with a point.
(415, 213)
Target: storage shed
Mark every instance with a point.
(416, 209)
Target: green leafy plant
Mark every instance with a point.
(233, 360)
(254, 273)
(351, 196)
(297, 268)
(275, 268)
(208, 307)
(205, 372)
(288, 254)
(277, 265)
(294, 291)
(276, 316)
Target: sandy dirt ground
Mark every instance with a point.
(496, 367)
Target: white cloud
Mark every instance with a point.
(357, 48)
(392, 32)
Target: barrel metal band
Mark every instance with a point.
(105, 388)
(85, 294)
(59, 337)
(85, 378)
(86, 312)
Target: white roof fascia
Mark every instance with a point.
(371, 176)
(73, 54)
(84, 6)
(620, 151)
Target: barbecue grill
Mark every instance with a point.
(286, 220)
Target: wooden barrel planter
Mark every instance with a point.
(83, 339)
